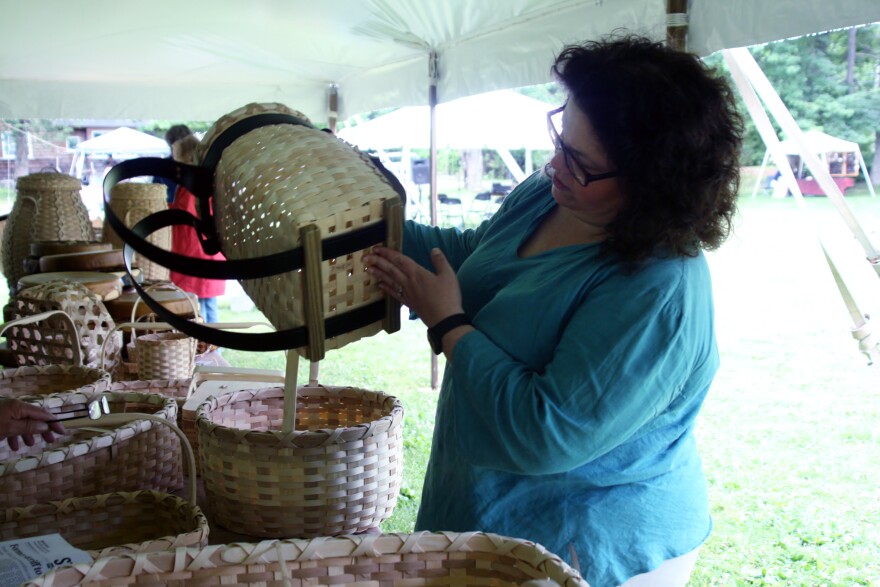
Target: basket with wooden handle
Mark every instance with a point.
(119, 522)
(50, 341)
(39, 380)
(90, 461)
(398, 560)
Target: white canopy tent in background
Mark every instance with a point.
(122, 142)
(500, 120)
(820, 143)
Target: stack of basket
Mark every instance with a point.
(121, 468)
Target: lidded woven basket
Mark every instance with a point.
(132, 202)
(275, 180)
(400, 560)
(47, 207)
(338, 473)
(129, 457)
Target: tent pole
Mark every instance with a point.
(332, 107)
(760, 173)
(676, 24)
(865, 174)
(433, 77)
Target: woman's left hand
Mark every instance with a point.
(433, 296)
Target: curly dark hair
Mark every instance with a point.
(671, 129)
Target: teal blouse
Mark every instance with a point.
(566, 418)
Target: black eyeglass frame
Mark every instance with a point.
(571, 163)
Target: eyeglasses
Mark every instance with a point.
(577, 171)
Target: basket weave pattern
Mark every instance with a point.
(277, 179)
(165, 355)
(112, 523)
(47, 207)
(50, 342)
(50, 379)
(131, 202)
(419, 559)
(138, 455)
(339, 473)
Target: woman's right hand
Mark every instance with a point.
(21, 420)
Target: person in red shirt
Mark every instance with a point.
(185, 241)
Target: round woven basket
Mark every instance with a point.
(131, 202)
(128, 457)
(400, 560)
(136, 521)
(339, 473)
(317, 180)
(47, 207)
(23, 382)
(165, 355)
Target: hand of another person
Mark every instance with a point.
(433, 296)
(24, 420)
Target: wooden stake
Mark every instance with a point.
(393, 211)
(288, 421)
(313, 290)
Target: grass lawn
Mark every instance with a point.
(789, 433)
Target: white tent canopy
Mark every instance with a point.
(124, 140)
(503, 118)
(820, 143)
(199, 59)
(500, 120)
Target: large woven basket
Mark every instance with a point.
(276, 180)
(116, 523)
(131, 202)
(339, 473)
(51, 341)
(129, 457)
(47, 207)
(400, 560)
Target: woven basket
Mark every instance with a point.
(131, 202)
(165, 355)
(47, 207)
(318, 181)
(339, 473)
(52, 341)
(400, 560)
(47, 379)
(130, 457)
(116, 523)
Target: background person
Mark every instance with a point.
(578, 324)
(172, 135)
(185, 240)
(21, 421)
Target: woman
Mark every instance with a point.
(581, 345)
(185, 240)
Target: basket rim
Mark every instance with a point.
(182, 560)
(78, 448)
(387, 423)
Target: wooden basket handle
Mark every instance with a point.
(112, 420)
